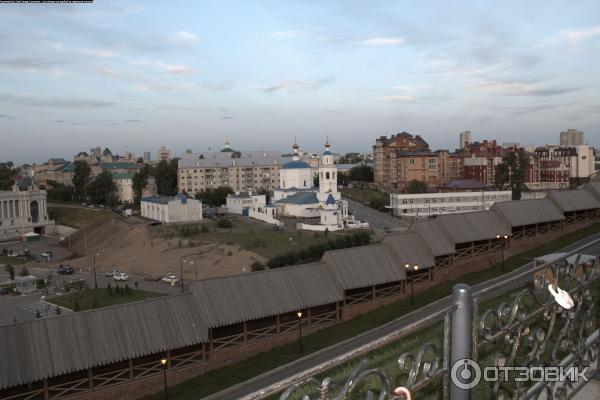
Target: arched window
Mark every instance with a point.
(35, 211)
(327, 175)
(304, 183)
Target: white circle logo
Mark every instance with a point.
(465, 374)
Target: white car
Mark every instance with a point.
(172, 279)
(111, 273)
(121, 276)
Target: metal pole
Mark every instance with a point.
(503, 256)
(460, 348)
(95, 277)
(165, 379)
(412, 293)
(300, 333)
(181, 270)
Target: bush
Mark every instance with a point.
(76, 306)
(109, 290)
(58, 310)
(128, 290)
(224, 224)
(204, 228)
(257, 266)
(94, 302)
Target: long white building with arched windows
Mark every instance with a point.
(23, 210)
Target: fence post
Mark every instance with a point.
(460, 348)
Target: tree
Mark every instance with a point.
(166, 177)
(111, 200)
(416, 186)
(361, 173)
(60, 192)
(257, 266)
(214, 197)
(81, 175)
(7, 175)
(11, 271)
(512, 171)
(140, 180)
(342, 178)
(97, 190)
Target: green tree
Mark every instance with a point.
(7, 175)
(81, 175)
(166, 177)
(60, 192)
(342, 178)
(511, 173)
(97, 190)
(11, 271)
(416, 186)
(58, 310)
(140, 180)
(214, 197)
(257, 266)
(111, 200)
(362, 173)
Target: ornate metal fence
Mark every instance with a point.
(547, 323)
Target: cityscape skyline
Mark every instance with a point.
(80, 75)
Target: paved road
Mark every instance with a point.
(378, 220)
(491, 288)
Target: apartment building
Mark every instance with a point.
(242, 171)
(571, 137)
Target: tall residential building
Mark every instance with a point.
(571, 137)
(384, 157)
(163, 154)
(465, 139)
(242, 171)
(147, 156)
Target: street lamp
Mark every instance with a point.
(504, 238)
(181, 273)
(292, 243)
(163, 362)
(95, 277)
(299, 314)
(407, 267)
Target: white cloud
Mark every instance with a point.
(404, 88)
(286, 34)
(100, 53)
(399, 99)
(573, 37)
(296, 86)
(383, 41)
(183, 38)
(175, 69)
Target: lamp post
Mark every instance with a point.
(299, 314)
(181, 273)
(292, 243)
(95, 276)
(163, 362)
(504, 238)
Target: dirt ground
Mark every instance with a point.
(129, 248)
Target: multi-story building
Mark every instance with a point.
(242, 171)
(480, 160)
(465, 139)
(385, 161)
(163, 154)
(578, 161)
(430, 204)
(147, 156)
(571, 137)
(450, 166)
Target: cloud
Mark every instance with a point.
(6, 116)
(102, 53)
(404, 88)
(226, 117)
(29, 63)
(183, 38)
(286, 34)
(383, 41)
(399, 99)
(175, 69)
(297, 86)
(508, 88)
(55, 102)
(572, 37)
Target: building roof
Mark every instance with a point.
(300, 198)
(225, 159)
(330, 200)
(295, 165)
(24, 183)
(71, 342)
(364, 266)
(594, 188)
(57, 161)
(122, 176)
(436, 239)
(157, 199)
(233, 299)
(528, 212)
(327, 153)
(473, 226)
(409, 248)
(574, 200)
(119, 165)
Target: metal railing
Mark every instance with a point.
(529, 330)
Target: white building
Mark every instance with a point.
(163, 154)
(465, 139)
(124, 187)
(167, 209)
(427, 204)
(24, 210)
(241, 202)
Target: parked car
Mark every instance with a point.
(111, 273)
(387, 229)
(152, 277)
(172, 279)
(65, 269)
(121, 276)
(4, 290)
(47, 253)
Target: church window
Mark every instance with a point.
(327, 175)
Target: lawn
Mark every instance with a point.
(12, 260)
(371, 197)
(225, 377)
(85, 298)
(249, 235)
(77, 217)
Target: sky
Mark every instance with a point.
(191, 74)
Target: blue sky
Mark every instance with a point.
(193, 73)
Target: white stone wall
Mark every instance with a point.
(124, 190)
(300, 178)
(236, 205)
(16, 214)
(265, 214)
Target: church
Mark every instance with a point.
(297, 196)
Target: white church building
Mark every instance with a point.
(297, 196)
